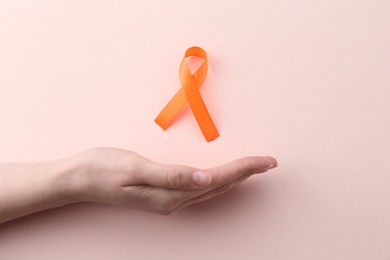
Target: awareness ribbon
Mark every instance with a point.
(190, 92)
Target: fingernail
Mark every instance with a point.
(272, 162)
(201, 178)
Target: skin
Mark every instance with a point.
(117, 177)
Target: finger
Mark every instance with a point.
(228, 172)
(169, 176)
(229, 175)
(188, 178)
(160, 200)
(150, 198)
(213, 193)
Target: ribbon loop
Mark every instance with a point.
(190, 92)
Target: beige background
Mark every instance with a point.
(305, 81)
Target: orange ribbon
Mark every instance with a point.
(190, 92)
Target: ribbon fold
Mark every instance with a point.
(190, 92)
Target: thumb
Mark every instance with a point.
(171, 176)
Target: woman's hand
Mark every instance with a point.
(120, 177)
(117, 177)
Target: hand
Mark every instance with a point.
(117, 177)
(120, 177)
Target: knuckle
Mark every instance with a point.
(174, 177)
(167, 203)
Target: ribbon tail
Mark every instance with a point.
(171, 110)
(201, 113)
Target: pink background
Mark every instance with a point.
(305, 81)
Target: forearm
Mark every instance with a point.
(26, 188)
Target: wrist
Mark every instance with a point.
(65, 180)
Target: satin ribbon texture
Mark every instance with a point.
(189, 92)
